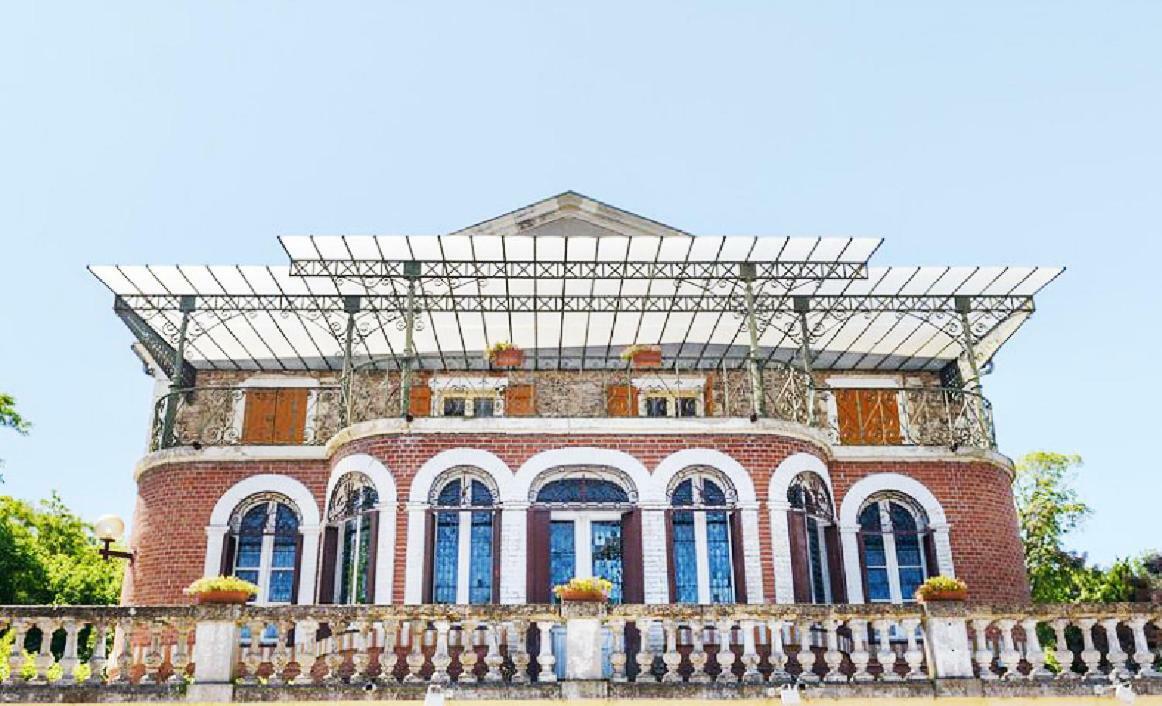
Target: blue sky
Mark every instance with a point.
(196, 132)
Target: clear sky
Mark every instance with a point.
(974, 133)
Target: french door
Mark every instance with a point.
(585, 544)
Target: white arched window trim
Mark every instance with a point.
(784, 473)
(857, 497)
(384, 484)
(882, 503)
(465, 474)
(309, 525)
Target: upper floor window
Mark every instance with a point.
(263, 547)
(463, 532)
(702, 539)
(353, 518)
(893, 537)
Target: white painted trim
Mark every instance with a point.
(518, 490)
(669, 384)
(780, 482)
(421, 485)
(468, 383)
(384, 484)
(870, 382)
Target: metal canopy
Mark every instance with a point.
(572, 282)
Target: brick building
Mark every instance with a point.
(699, 419)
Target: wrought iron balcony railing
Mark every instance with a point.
(249, 415)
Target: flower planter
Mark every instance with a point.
(944, 596)
(582, 596)
(646, 359)
(222, 597)
(508, 358)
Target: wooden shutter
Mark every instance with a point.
(632, 571)
(327, 570)
(835, 565)
(621, 400)
(708, 396)
(298, 569)
(930, 554)
(372, 553)
(258, 417)
(519, 401)
(537, 582)
(862, 565)
(229, 546)
(738, 557)
(429, 557)
(671, 572)
(290, 415)
(868, 416)
(800, 564)
(421, 401)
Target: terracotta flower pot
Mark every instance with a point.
(938, 596)
(508, 358)
(582, 596)
(222, 597)
(647, 359)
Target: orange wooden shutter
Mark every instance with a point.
(421, 401)
(258, 419)
(868, 416)
(518, 401)
(887, 415)
(708, 401)
(621, 400)
(290, 415)
(847, 405)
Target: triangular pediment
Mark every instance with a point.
(571, 214)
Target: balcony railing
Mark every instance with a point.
(296, 652)
(241, 415)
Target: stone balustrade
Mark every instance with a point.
(222, 653)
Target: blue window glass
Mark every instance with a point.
(253, 528)
(712, 494)
(446, 561)
(683, 494)
(483, 407)
(685, 556)
(562, 554)
(480, 570)
(687, 407)
(874, 557)
(721, 564)
(657, 407)
(449, 494)
(454, 406)
(481, 497)
(582, 490)
(815, 556)
(607, 555)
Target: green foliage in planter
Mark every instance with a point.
(210, 584)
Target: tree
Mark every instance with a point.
(11, 419)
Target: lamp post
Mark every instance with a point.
(109, 529)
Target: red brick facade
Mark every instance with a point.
(175, 499)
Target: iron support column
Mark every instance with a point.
(758, 401)
(802, 306)
(351, 306)
(412, 272)
(963, 307)
(186, 306)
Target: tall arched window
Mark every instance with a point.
(350, 541)
(895, 548)
(815, 565)
(704, 539)
(264, 547)
(463, 531)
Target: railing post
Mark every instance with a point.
(802, 306)
(351, 306)
(412, 272)
(758, 402)
(186, 307)
(975, 388)
(215, 654)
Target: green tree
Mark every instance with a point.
(11, 419)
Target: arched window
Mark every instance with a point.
(463, 531)
(815, 561)
(264, 547)
(351, 543)
(703, 534)
(895, 548)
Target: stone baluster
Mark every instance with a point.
(1089, 654)
(913, 655)
(859, 651)
(361, 642)
(467, 654)
(415, 658)
(617, 657)
(724, 656)
(125, 658)
(672, 658)
(1061, 652)
(1115, 655)
(1143, 657)
(336, 645)
(441, 657)
(1009, 657)
(545, 659)
(698, 656)
(806, 655)
(99, 657)
(253, 658)
(153, 658)
(69, 660)
(778, 656)
(44, 659)
(387, 654)
(750, 654)
(492, 659)
(884, 653)
(832, 657)
(646, 653)
(984, 649)
(180, 656)
(306, 650)
(1034, 654)
(517, 632)
(280, 653)
(16, 653)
